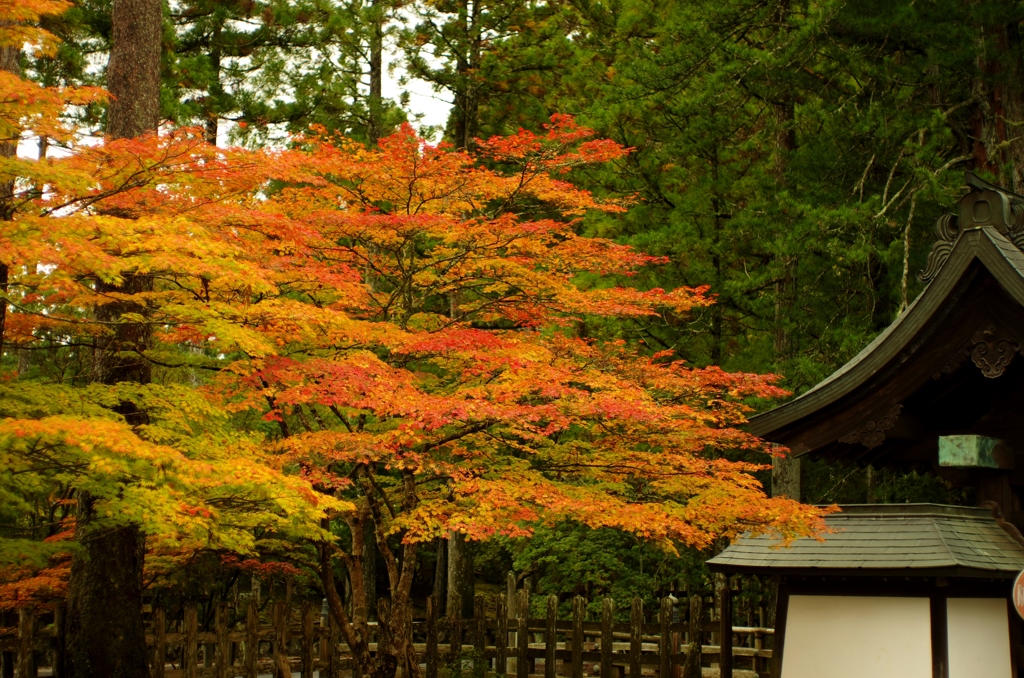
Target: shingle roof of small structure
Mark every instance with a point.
(895, 539)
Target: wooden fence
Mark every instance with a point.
(501, 639)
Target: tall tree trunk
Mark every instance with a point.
(785, 288)
(998, 116)
(105, 634)
(9, 61)
(467, 64)
(460, 575)
(133, 74)
(717, 310)
(375, 126)
(212, 122)
(106, 637)
(370, 572)
(441, 576)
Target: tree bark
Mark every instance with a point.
(212, 123)
(375, 128)
(785, 287)
(441, 576)
(105, 632)
(9, 61)
(133, 74)
(998, 116)
(370, 571)
(467, 62)
(460, 575)
(786, 477)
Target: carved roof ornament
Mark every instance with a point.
(871, 434)
(985, 205)
(992, 350)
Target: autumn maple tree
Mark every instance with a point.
(348, 342)
(155, 456)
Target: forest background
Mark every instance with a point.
(793, 156)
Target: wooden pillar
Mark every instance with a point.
(26, 642)
(940, 636)
(636, 640)
(691, 669)
(551, 637)
(334, 666)
(523, 635)
(431, 652)
(500, 636)
(252, 639)
(665, 642)
(607, 620)
(479, 637)
(524, 607)
(222, 653)
(191, 652)
(281, 667)
(512, 598)
(325, 646)
(725, 627)
(579, 612)
(307, 639)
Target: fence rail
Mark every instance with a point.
(499, 641)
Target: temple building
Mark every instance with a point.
(916, 590)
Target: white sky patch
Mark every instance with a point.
(426, 107)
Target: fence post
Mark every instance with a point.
(636, 640)
(607, 619)
(759, 664)
(222, 657)
(479, 637)
(191, 650)
(551, 637)
(523, 634)
(579, 611)
(691, 669)
(725, 627)
(282, 669)
(431, 637)
(307, 639)
(501, 636)
(26, 642)
(252, 639)
(665, 641)
(323, 649)
(511, 597)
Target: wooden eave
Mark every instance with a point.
(982, 279)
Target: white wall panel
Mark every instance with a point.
(857, 637)
(979, 638)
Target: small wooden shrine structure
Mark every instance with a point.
(917, 590)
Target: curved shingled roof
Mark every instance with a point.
(892, 539)
(894, 358)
